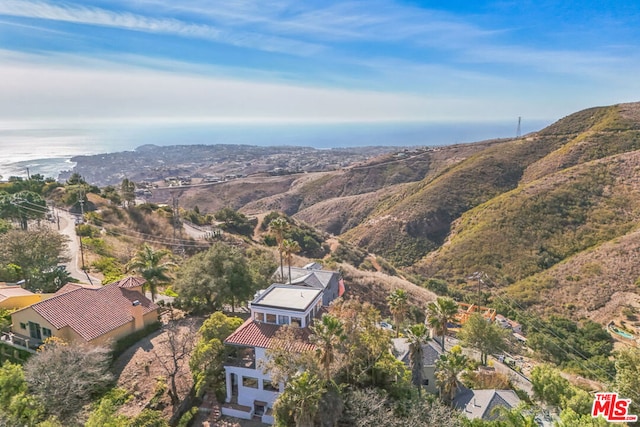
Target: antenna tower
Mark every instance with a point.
(519, 131)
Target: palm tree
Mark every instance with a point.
(290, 247)
(417, 335)
(327, 335)
(440, 313)
(301, 397)
(148, 263)
(398, 306)
(447, 370)
(278, 227)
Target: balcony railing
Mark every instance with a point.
(19, 342)
(246, 361)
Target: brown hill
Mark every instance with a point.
(527, 211)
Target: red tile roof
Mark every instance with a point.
(131, 282)
(93, 312)
(73, 286)
(258, 334)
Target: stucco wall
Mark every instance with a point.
(25, 316)
(20, 301)
(69, 335)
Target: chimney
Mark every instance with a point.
(136, 312)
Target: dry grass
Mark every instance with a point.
(138, 370)
(375, 287)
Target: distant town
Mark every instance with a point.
(195, 164)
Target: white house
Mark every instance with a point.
(313, 276)
(250, 391)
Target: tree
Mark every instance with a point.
(22, 207)
(261, 265)
(484, 336)
(283, 361)
(368, 361)
(515, 417)
(76, 179)
(549, 386)
(111, 193)
(300, 399)
(398, 307)
(440, 313)
(35, 252)
(127, 191)
(372, 407)
(417, 336)
(448, 367)
(327, 336)
(235, 222)
(209, 279)
(627, 374)
(278, 227)
(17, 406)
(105, 414)
(178, 342)
(149, 264)
(65, 377)
(290, 247)
(209, 354)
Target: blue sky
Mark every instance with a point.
(146, 61)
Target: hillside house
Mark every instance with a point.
(481, 403)
(430, 355)
(250, 391)
(312, 275)
(14, 296)
(87, 315)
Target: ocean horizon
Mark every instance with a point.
(48, 151)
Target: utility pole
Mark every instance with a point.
(82, 253)
(519, 131)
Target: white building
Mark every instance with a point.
(250, 391)
(313, 276)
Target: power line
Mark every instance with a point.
(540, 327)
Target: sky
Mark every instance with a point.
(281, 61)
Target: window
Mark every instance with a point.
(269, 386)
(296, 321)
(258, 316)
(271, 318)
(283, 320)
(46, 332)
(250, 382)
(308, 319)
(23, 325)
(425, 382)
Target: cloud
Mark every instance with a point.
(46, 88)
(135, 22)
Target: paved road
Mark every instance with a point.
(68, 228)
(518, 380)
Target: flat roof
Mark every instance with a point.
(287, 297)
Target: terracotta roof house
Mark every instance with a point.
(481, 403)
(430, 355)
(250, 391)
(84, 314)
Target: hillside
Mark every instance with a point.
(530, 212)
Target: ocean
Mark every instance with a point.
(48, 150)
